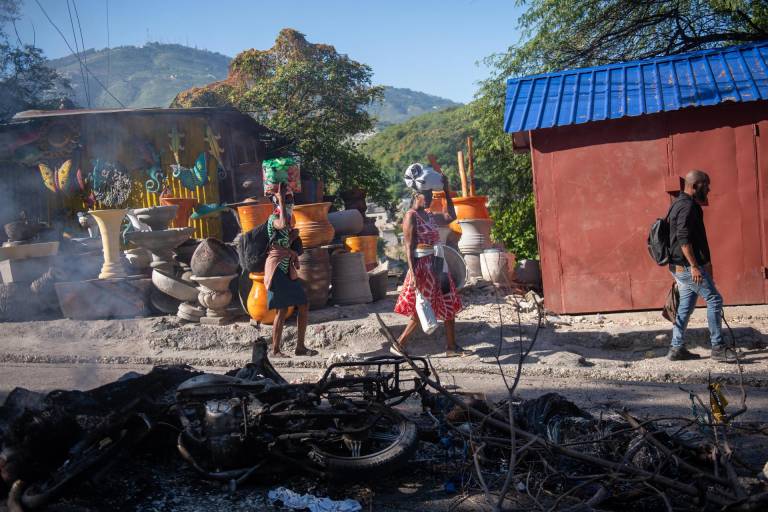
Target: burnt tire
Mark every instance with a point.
(382, 462)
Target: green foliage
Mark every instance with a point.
(310, 93)
(26, 81)
(441, 134)
(575, 33)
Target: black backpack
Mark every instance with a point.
(658, 240)
(253, 246)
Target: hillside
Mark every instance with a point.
(153, 74)
(399, 105)
(441, 133)
(147, 76)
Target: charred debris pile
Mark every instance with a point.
(359, 421)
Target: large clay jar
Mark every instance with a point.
(475, 235)
(213, 258)
(185, 204)
(312, 223)
(438, 201)
(349, 279)
(257, 301)
(473, 207)
(346, 222)
(369, 227)
(315, 273)
(312, 191)
(493, 266)
(365, 245)
(253, 215)
(354, 199)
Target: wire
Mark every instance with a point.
(78, 58)
(77, 48)
(82, 42)
(109, 50)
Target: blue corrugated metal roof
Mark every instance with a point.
(707, 77)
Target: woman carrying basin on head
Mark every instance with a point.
(421, 243)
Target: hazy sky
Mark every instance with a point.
(426, 45)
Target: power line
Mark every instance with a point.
(78, 57)
(77, 48)
(82, 41)
(109, 50)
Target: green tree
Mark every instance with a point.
(439, 133)
(310, 93)
(577, 33)
(26, 82)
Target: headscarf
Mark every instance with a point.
(419, 178)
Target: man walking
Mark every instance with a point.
(691, 266)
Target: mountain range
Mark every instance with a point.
(152, 75)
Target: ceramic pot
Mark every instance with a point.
(109, 222)
(365, 245)
(369, 227)
(215, 296)
(475, 235)
(161, 244)
(474, 270)
(185, 204)
(21, 230)
(173, 286)
(473, 207)
(349, 280)
(457, 267)
(354, 199)
(438, 201)
(378, 283)
(346, 222)
(253, 215)
(257, 301)
(312, 191)
(312, 223)
(528, 272)
(157, 217)
(493, 267)
(315, 274)
(138, 258)
(213, 258)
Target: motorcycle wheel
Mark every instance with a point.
(389, 443)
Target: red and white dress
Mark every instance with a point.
(445, 305)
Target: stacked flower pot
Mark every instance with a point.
(474, 224)
(316, 232)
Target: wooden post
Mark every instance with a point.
(462, 174)
(471, 156)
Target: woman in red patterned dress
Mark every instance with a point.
(420, 232)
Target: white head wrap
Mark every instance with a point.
(422, 178)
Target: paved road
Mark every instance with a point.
(644, 399)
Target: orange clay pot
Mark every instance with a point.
(438, 201)
(473, 207)
(312, 223)
(185, 204)
(365, 245)
(257, 301)
(253, 215)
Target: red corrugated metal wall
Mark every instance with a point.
(599, 186)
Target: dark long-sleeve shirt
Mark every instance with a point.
(686, 226)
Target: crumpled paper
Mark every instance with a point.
(296, 501)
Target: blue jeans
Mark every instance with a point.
(689, 292)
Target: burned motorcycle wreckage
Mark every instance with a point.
(341, 427)
(230, 426)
